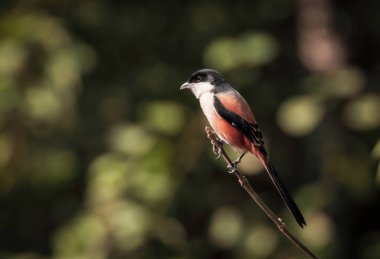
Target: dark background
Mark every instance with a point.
(101, 155)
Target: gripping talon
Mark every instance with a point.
(217, 151)
(216, 142)
(217, 148)
(232, 169)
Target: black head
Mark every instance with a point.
(206, 80)
(207, 75)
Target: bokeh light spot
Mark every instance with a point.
(363, 112)
(108, 178)
(319, 231)
(345, 82)
(165, 117)
(152, 193)
(80, 238)
(341, 83)
(300, 115)
(171, 232)
(220, 54)
(130, 139)
(260, 242)
(250, 165)
(226, 227)
(43, 104)
(252, 48)
(12, 57)
(130, 222)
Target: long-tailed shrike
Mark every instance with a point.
(232, 119)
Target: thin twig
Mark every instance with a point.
(218, 148)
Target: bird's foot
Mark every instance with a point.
(217, 145)
(233, 168)
(216, 142)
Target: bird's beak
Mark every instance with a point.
(185, 86)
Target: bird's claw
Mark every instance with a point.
(217, 151)
(233, 168)
(216, 142)
(217, 147)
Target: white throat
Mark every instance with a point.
(200, 88)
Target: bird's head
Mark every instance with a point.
(205, 80)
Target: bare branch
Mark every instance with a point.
(219, 150)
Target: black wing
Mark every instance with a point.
(250, 130)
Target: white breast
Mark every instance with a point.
(207, 104)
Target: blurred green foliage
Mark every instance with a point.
(101, 156)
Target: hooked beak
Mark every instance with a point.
(185, 86)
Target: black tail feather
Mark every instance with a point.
(292, 206)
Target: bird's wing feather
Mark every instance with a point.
(249, 129)
(253, 133)
(233, 101)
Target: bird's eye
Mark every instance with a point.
(198, 78)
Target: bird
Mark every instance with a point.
(233, 121)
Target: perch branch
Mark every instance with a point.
(219, 150)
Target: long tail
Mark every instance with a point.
(292, 206)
